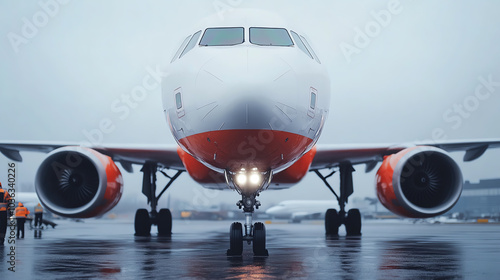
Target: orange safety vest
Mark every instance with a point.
(22, 212)
(38, 209)
(4, 200)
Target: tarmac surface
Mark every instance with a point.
(107, 249)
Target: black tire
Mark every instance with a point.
(353, 222)
(142, 223)
(164, 222)
(259, 240)
(332, 222)
(235, 240)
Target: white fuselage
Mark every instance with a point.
(246, 105)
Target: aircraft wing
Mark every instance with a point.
(127, 155)
(329, 156)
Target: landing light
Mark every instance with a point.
(241, 179)
(249, 179)
(255, 179)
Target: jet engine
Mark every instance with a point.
(419, 182)
(78, 182)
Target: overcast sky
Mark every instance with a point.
(399, 71)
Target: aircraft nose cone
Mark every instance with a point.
(246, 82)
(247, 65)
(273, 210)
(270, 211)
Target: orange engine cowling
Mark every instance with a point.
(205, 176)
(419, 182)
(295, 172)
(78, 182)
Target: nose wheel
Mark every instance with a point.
(235, 240)
(251, 233)
(259, 240)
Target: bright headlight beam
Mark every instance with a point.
(255, 178)
(241, 179)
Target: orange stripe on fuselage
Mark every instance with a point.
(246, 148)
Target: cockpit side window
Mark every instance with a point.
(264, 36)
(300, 44)
(309, 48)
(223, 36)
(183, 45)
(191, 43)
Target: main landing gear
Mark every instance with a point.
(163, 218)
(334, 219)
(248, 184)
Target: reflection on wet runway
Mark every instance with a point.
(417, 256)
(87, 257)
(99, 249)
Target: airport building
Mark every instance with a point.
(479, 199)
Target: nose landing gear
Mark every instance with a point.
(255, 233)
(249, 189)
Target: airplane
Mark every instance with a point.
(298, 210)
(246, 99)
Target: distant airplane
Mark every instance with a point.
(246, 99)
(298, 210)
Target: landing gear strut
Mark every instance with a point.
(334, 219)
(248, 184)
(143, 218)
(255, 233)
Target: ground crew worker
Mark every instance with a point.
(4, 203)
(21, 214)
(38, 215)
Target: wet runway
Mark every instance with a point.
(107, 249)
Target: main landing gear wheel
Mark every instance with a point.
(259, 240)
(332, 222)
(235, 240)
(164, 222)
(162, 219)
(353, 222)
(334, 219)
(142, 223)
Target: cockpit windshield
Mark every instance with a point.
(300, 44)
(223, 36)
(270, 36)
